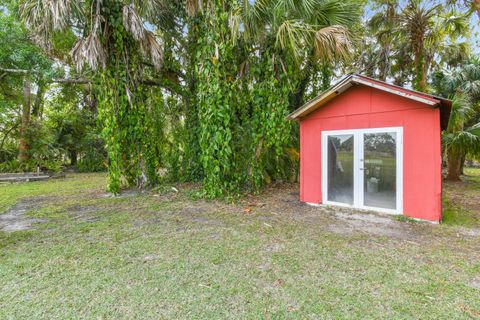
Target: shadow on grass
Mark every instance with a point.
(456, 216)
(461, 202)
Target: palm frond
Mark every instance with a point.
(333, 42)
(148, 43)
(468, 140)
(417, 22)
(461, 111)
(43, 17)
(234, 23)
(456, 53)
(465, 78)
(193, 7)
(307, 7)
(291, 36)
(254, 17)
(455, 24)
(90, 50)
(334, 12)
(377, 22)
(285, 5)
(475, 129)
(259, 8)
(151, 8)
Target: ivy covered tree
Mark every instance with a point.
(199, 90)
(230, 73)
(111, 46)
(267, 51)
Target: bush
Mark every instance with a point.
(94, 160)
(15, 166)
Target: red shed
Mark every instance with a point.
(372, 145)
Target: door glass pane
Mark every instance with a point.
(380, 174)
(340, 168)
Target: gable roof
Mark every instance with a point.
(350, 80)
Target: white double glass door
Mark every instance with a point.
(362, 168)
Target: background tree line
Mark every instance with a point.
(199, 90)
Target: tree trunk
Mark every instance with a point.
(420, 81)
(37, 109)
(326, 77)
(297, 96)
(454, 164)
(73, 157)
(23, 148)
(423, 80)
(90, 100)
(420, 66)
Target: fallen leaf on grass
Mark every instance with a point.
(257, 204)
(291, 308)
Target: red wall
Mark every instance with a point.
(364, 107)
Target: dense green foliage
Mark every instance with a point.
(200, 90)
(17, 51)
(60, 124)
(462, 137)
(243, 129)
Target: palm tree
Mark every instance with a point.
(308, 28)
(294, 26)
(113, 42)
(90, 20)
(462, 136)
(314, 34)
(469, 6)
(383, 26)
(429, 31)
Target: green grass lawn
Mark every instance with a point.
(461, 201)
(163, 255)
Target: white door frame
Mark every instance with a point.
(358, 175)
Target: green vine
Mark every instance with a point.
(123, 110)
(234, 135)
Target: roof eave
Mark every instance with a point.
(324, 97)
(352, 79)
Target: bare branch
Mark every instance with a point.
(22, 71)
(170, 83)
(74, 81)
(5, 135)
